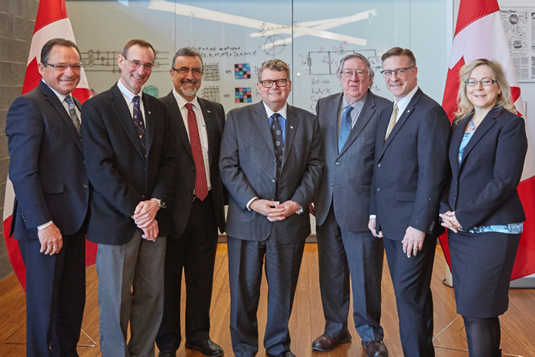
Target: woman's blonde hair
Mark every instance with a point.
(465, 107)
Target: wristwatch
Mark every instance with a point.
(161, 203)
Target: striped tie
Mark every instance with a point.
(392, 122)
(140, 126)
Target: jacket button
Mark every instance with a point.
(85, 185)
(272, 180)
(337, 163)
(378, 189)
(193, 168)
(332, 183)
(142, 196)
(379, 165)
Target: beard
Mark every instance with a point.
(189, 92)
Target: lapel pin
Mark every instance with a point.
(408, 111)
(208, 111)
(150, 112)
(291, 127)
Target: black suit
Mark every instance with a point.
(192, 243)
(249, 169)
(483, 192)
(345, 244)
(50, 183)
(410, 171)
(122, 176)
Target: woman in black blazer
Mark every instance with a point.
(482, 208)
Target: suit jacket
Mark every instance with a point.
(348, 174)
(483, 189)
(248, 169)
(119, 173)
(410, 168)
(47, 165)
(214, 117)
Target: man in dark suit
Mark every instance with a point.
(410, 171)
(348, 123)
(197, 209)
(128, 146)
(52, 201)
(271, 165)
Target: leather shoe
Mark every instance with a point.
(282, 354)
(326, 343)
(375, 348)
(206, 347)
(167, 354)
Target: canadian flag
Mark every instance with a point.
(479, 33)
(51, 22)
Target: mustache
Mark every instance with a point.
(192, 81)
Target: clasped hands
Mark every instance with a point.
(413, 240)
(450, 221)
(274, 210)
(144, 216)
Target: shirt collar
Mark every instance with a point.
(181, 101)
(60, 96)
(403, 102)
(282, 111)
(127, 93)
(357, 105)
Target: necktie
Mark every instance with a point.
(345, 127)
(278, 144)
(72, 113)
(392, 122)
(201, 185)
(140, 126)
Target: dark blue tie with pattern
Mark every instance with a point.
(140, 126)
(278, 144)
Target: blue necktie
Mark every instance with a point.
(278, 143)
(345, 128)
(72, 113)
(138, 121)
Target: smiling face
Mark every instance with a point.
(354, 87)
(482, 97)
(187, 85)
(131, 77)
(62, 82)
(274, 97)
(401, 85)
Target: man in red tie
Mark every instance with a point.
(197, 209)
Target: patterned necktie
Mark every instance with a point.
(201, 185)
(140, 126)
(278, 143)
(392, 122)
(345, 128)
(72, 113)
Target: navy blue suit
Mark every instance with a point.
(410, 172)
(50, 182)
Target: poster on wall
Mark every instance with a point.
(519, 25)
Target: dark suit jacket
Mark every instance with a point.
(46, 167)
(411, 168)
(348, 175)
(214, 117)
(483, 190)
(121, 177)
(248, 169)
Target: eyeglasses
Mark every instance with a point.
(62, 67)
(185, 71)
(360, 72)
(485, 82)
(136, 64)
(268, 83)
(398, 72)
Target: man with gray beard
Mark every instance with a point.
(197, 209)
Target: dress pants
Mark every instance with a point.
(55, 296)
(282, 264)
(194, 251)
(130, 288)
(412, 279)
(340, 254)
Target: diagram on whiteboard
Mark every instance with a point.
(211, 72)
(211, 93)
(106, 61)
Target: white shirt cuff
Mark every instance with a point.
(43, 226)
(249, 203)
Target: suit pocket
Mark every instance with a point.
(405, 196)
(53, 187)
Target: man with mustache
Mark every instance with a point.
(197, 209)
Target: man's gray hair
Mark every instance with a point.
(371, 73)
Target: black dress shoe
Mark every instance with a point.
(167, 354)
(375, 348)
(206, 347)
(282, 354)
(326, 343)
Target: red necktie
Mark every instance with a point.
(201, 186)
